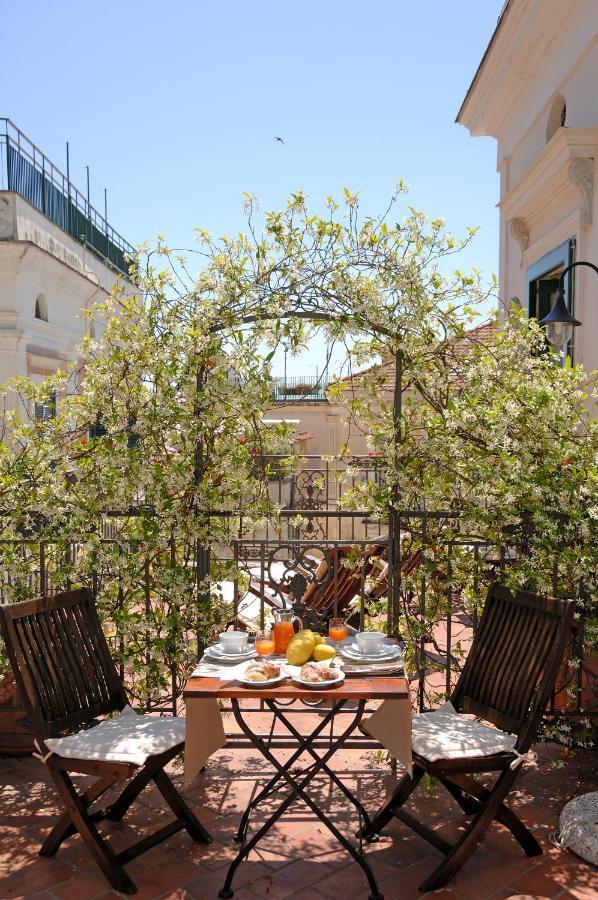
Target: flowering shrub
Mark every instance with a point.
(163, 425)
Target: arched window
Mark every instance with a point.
(556, 117)
(41, 308)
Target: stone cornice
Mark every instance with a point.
(567, 159)
(518, 49)
(10, 338)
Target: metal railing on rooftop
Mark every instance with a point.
(27, 171)
(301, 389)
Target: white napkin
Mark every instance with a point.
(211, 669)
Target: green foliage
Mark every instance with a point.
(173, 392)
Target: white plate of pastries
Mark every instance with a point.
(262, 673)
(317, 675)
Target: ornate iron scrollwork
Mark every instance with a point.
(309, 617)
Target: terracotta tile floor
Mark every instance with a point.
(299, 858)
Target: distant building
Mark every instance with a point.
(536, 92)
(58, 256)
(322, 426)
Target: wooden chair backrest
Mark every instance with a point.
(61, 661)
(321, 592)
(514, 659)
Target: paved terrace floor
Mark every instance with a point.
(299, 858)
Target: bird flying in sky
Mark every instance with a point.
(279, 139)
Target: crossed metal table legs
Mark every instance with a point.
(298, 787)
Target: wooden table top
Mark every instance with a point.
(374, 687)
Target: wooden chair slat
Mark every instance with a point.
(37, 626)
(73, 682)
(38, 631)
(508, 692)
(43, 661)
(472, 677)
(43, 628)
(508, 656)
(546, 636)
(92, 688)
(42, 686)
(320, 594)
(496, 645)
(103, 663)
(100, 690)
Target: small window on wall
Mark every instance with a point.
(556, 117)
(46, 410)
(543, 281)
(41, 308)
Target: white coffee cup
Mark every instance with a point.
(233, 641)
(370, 641)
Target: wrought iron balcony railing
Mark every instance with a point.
(27, 171)
(444, 571)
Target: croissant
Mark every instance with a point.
(261, 671)
(316, 672)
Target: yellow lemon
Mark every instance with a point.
(322, 652)
(300, 648)
(319, 639)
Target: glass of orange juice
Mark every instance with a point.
(337, 630)
(264, 643)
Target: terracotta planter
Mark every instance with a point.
(16, 736)
(589, 684)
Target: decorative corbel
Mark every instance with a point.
(581, 174)
(520, 232)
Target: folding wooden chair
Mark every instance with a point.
(507, 680)
(330, 584)
(63, 667)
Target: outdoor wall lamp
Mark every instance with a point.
(559, 322)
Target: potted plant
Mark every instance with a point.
(16, 736)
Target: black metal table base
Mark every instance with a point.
(298, 788)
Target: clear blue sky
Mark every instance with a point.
(174, 106)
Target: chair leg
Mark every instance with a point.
(470, 807)
(400, 795)
(101, 852)
(194, 828)
(64, 827)
(119, 808)
(464, 847)
(505, 816)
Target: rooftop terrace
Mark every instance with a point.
(27, 171)
(299, 859)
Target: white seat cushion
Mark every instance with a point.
(128, 738)
(446, 734)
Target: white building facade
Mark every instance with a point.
(536, 93)
(57, 259)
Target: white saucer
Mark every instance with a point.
(390, 653)
(215, 651)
